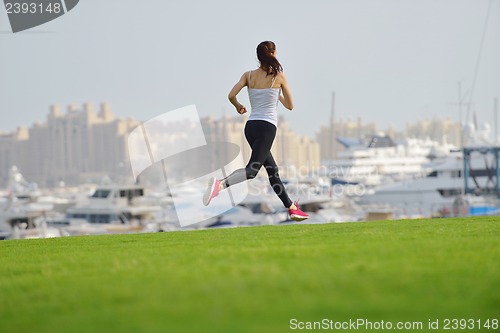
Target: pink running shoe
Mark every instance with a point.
(212, 190)
(297, 214)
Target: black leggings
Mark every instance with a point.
(260, 135)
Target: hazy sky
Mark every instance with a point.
(388, 61)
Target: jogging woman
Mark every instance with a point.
(264, 85)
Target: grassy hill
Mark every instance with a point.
(255, 279)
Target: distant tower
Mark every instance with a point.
(88, 108)
(72, 108)
(55, 110)
(105, 112)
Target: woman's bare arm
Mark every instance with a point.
(286, 98)
(240, 108)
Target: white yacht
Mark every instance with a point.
(19, 188)
(437, 192)
(19, 219)
(111, 209)
(380, 160)
(444, 191)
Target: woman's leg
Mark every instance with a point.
(260, 136)
(275, 180)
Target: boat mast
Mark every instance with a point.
(495, 119)
(332, 136)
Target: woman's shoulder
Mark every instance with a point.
(249, 72)
(281, 78)
(245, 77)
(281, 75)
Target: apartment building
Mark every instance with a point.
(77, 146)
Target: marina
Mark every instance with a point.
(414, 179)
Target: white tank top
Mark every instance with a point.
(264, 103)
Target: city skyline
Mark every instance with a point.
(388, 62)
(358, 121)
(89, 142)
(83, 144)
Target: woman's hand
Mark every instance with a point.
(241, 109)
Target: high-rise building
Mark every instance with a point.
(343, 128)
(436, 129)
(73, 147)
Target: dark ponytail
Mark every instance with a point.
(268, 61)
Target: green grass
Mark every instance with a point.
(252, 279)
